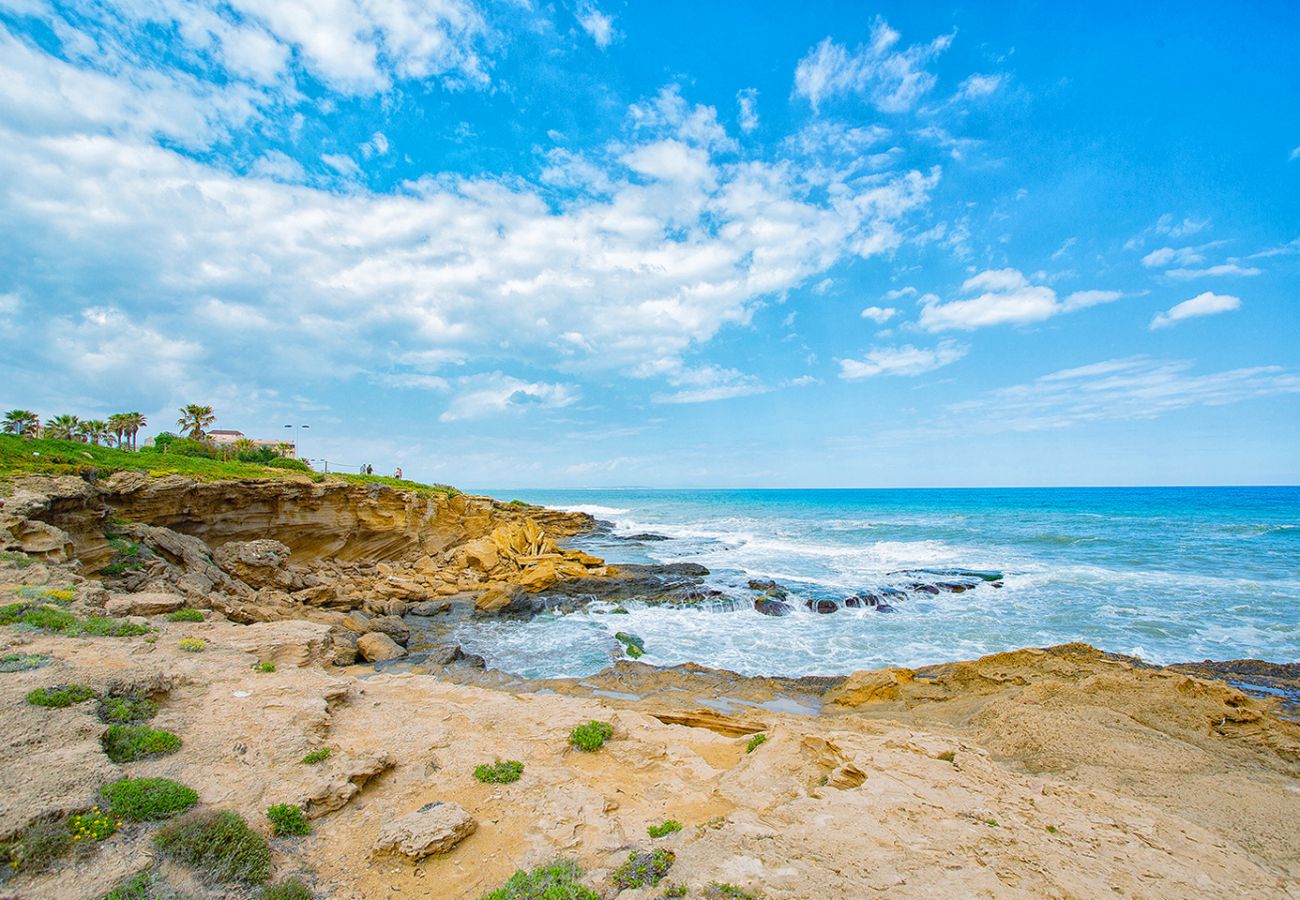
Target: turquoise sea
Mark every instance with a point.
(1166, 574)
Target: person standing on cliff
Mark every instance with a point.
(398, 473)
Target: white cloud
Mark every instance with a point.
(892, 80)
(9, 303)
(376, 146)
(341, 163)
(495, 392)
(705, 384)
(598, 25)
(1167, 224)
(1158, 259)
(900, 293)
(905, 360)
(747, 116)
(1004, 297)
(879, 315)
(1206, 304)
(978, 86)
(280, 166)
(1295, 154)
(1135, 388)
(1218, 271)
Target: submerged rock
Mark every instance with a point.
(645, 536)
(770, 606)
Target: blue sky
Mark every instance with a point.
(597, 244)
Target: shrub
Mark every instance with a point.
(947, 756)
(500, 772)
(126, 743)
(220, 845)
(557, 881)
(190, 447)
(263, 667)
(643, 868)
(319, 755)
(22, 662)
(288, 818)
(674, 891)
(100, 626)
(632, 645)
(140, 886)
(718, 890)
(755, 742)
(60, 696)
(668, 827)
(192, 644)
(127, 709)
(284, 462)
(289, 889)
(51, 618)
(185, 615)
(39, 845)
(95, 825)
(148, 799)
(592, 736)
(21, 560)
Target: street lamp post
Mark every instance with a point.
(295, 428)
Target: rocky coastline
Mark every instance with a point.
(267, 621)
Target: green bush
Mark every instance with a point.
(319, 755)
(219, 845)
(592, 736)
(60, 696)
(191, 447)
(263, 667)
(127, 709)
(192, 644)
(93, 826)
(674, 891)
(289, 889)
(148, 799)
(140, 886)
(39, 845)
(288, 818)
(643, 868)
(14, 558)
(22, 662)
(284, 462)
(185, 615)
(718, 890)
(51, 618)
(100, 626)
(668, 827)
(755, 742)
(500, 772)
(557, 881)
(126, 743)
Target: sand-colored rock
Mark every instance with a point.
(433, 828)
(379, 647)
(143, 604)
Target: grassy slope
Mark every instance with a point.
(45, 457)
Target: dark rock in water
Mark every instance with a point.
(769, 587)
(953, 573)
(770, 606)
(454, 655)
(921, 587)
(861, 601)
(952, 587)
(430, 607)
(645, 536)
(883, 607)
(632, 645)
(822, 606)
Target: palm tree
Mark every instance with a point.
(134, 422)
(96, 430)
(63, 428)
(21, 422)
(117, 427)
(195, 418)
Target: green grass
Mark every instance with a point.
(50, 618)
(126, 743)
(718, 890)
(319, 755)
(674, 891)
(127, 709)
(289, 889)
(643, 868)
(557, 881)
(15, 558)
(63, 695)
(185, 615)
(22, 662)
(591, 737)
(148, 799)
(219, 846)
(19, 456)
(500, 772)
(755, 742)
(140, 886)
(38, 846)
(288, 818)
(668, 827)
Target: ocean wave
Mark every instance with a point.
(593, 510)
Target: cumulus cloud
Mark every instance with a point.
(890, 78)
(747, 113)
(1206, 304)
(598, 25)
(878, 314)
(904, 360)
(494, 393)
(1004, 297)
